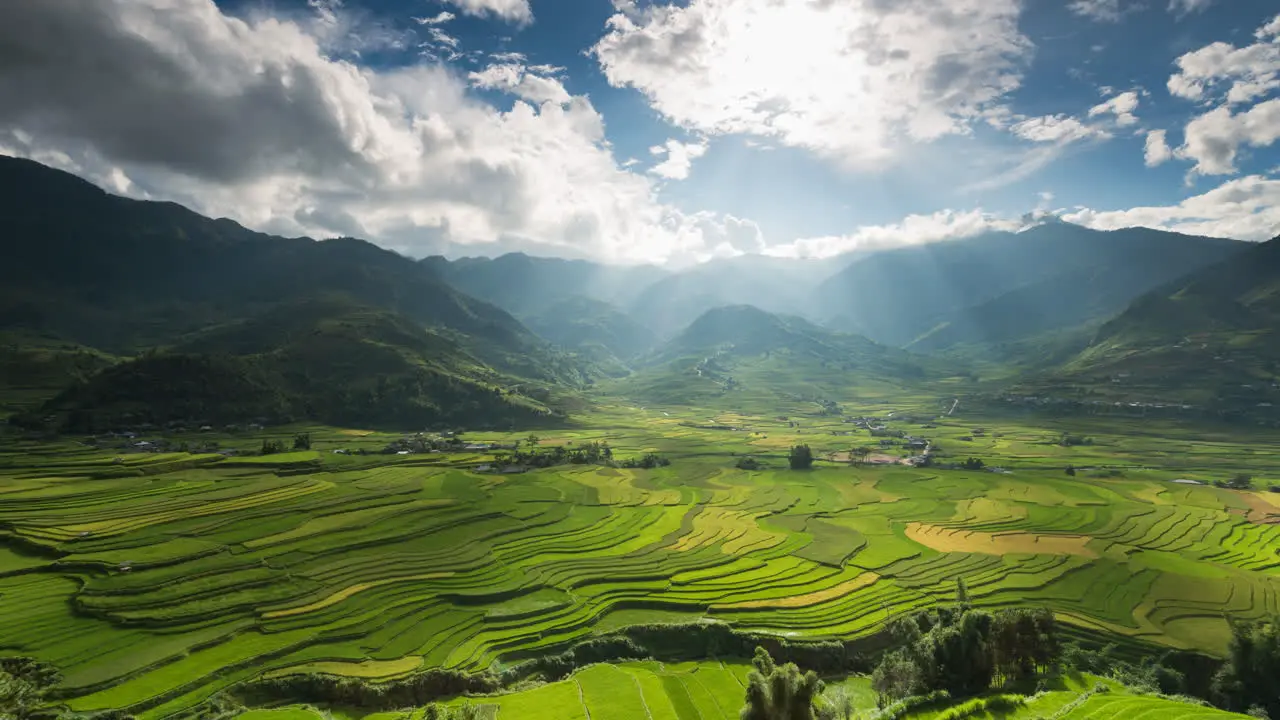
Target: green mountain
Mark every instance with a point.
(328, 360)
(1005, 287)
(1210, 339)
(760, 357)
(594, 329)
(101, 275)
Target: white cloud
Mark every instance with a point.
(1247, 72)
(439, 18)
(1246, 208)
(1213, 140)
(1157, 150)
(1182, 8)
(1055, 129)
(516, 11)
(521, 82)
(911, 230)
(679, 158)
(253, 120)
(1122, 106)
(850, 80)
(1097, 10)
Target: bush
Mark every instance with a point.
(800, 458)
(748, 463)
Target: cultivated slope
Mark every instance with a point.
(1209, 338)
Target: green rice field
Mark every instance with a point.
(153, 581)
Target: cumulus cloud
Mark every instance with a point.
(1055, 129)
(517, 11)
(911, 230)
(1213, 140)
(1157, 150)
(679, 158)
(1122, 106)
(1097, 10)
(251, 119)
(522, 82)
(1246, 73)
(849, 80)
(1246, 208)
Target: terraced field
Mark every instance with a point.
(153, 581)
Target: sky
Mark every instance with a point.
(665, 131)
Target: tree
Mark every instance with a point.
(962, 593)
(861, 452)
(1248, 679)
(1071, 470)
(896, 677)
(973, 464)
(533, 440)
(23, 683)
(801, 457)
(779, 692)
(302, 441)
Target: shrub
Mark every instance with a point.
(800, 458)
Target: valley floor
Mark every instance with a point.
(155, 580)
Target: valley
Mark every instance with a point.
(245, 476)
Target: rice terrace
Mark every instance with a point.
(157, 581)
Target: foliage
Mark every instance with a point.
(1249, 677)
(748, 462)
(302, 441)
(1239, 481)
(779, 692)
(800, 457)
(973, 464)
(415, 690)
(963, 651)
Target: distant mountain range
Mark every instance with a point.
(115, 309)
(992, 288)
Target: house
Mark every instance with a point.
(476, 446)
(513, 469)
(484, 468)
(918, 445)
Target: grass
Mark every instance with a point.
(155, 582)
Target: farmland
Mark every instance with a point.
(153, 581)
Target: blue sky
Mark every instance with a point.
(675, 131)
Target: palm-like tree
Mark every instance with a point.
(779, 692)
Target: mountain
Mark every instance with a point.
(329, 360)
(763, 356)
(595, 329)
(780, 285)
(123, 275)
(1004, 287)
(1211, 339)
(525, 285)
(119, 277)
